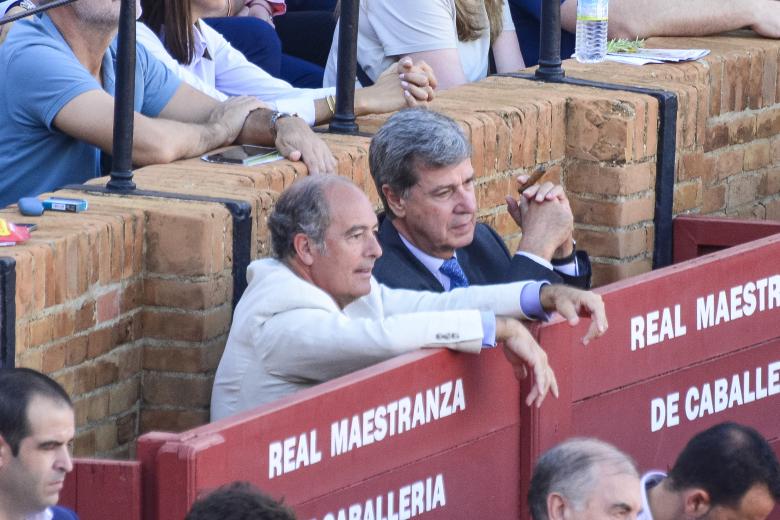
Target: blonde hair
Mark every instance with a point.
(470, 22)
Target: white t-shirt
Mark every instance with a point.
(228, 73)
(388, 29)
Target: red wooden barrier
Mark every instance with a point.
(688, 346)
(429, 432)
(696, 235)
(101, 489)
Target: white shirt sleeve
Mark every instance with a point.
(237, 76)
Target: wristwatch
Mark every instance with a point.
(275, 117)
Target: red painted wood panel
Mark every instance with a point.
(100, 489)
(244, 447)
(476, 478)
(697, 235)
(610, 363)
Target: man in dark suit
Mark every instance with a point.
(420, 162)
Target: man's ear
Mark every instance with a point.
(556, 506)
(696, 502)
(395, 202)
(303, 246)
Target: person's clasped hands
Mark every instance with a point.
(403, 84)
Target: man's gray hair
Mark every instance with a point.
(571, 469)
(302, 208)
(411, 139)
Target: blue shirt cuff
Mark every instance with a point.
(531, 301)
(488, 329)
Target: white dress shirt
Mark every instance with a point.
(221, 71)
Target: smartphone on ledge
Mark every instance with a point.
(245, 154)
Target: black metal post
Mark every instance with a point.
(343, 121)
(7, 312)
(122, 156)
(550, 42)
(13, 17)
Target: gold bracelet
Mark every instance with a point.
(331, 101)
(228, 7)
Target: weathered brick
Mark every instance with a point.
(99, 342)
(105, 437)
(608, 273)
(742, 190)
(771, 185)
(729, 162)
(84, 444)
(614, 243)
(757, 155)
(185, 294)
(85, 316)
(687, 197)
(773, 209)
(716, 136)
(747, 211)
(714, 199)
(126, 428)
(768, 123)
(181, 359)
(75, 350)
(108, 305)
(600, 130)
(186, 326)
(124, 396)
(171, 420)
(165, 389)
(53, 357)
(41, 331)
(612, 212)
(588, 177)
(493, 192)
(64, 324)
(201, 235)
(697, 165)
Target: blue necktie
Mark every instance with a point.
(452, 269)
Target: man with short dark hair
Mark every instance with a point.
(727, 472)
(584, 479)
(238, 501)
(57, 107)
(314, 312)
(36, 432)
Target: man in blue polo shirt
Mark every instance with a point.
(643, 19)
(56, 106)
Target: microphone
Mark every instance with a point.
(41, 9)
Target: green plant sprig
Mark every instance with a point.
(624, 45)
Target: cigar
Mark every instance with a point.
(533, 179)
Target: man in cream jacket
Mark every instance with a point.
(314, 312)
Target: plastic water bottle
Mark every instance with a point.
(591, 44)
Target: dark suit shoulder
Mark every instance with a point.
(398, 268)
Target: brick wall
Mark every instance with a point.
(129, 304)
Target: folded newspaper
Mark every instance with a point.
(643, 56)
